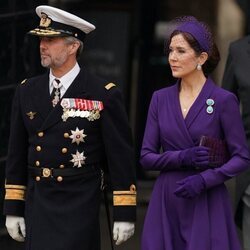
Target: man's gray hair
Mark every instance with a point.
(71, 39)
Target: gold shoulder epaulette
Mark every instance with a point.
(23, 81)
(125, 197)
(109, 86)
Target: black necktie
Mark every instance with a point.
(56, 93)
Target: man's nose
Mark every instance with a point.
(42, 43)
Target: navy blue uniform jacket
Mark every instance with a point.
(62, 212)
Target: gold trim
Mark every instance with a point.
(14, 194)
(124, 200)
(42, 32)
(124, 192)
(10, 186)
(45, 21)
(46, 172)
(109, 86)
(31, 115)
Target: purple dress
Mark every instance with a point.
(206, 221)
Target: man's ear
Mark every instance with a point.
(74, 47)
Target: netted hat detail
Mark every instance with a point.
(197, 29)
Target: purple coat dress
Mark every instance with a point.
(206, 221)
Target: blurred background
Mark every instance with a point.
(126, 48)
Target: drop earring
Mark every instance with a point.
(198, 67)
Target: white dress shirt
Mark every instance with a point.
(65, 80)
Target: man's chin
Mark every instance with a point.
(45, 65)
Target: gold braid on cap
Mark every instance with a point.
(125, 197)
(15, 192)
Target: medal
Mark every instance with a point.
(77, 136)
(84, 108)
(78, 159)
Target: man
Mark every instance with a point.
(237, 79)
(65, 125)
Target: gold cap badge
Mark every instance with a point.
(45, 20)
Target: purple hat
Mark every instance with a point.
(197, 29)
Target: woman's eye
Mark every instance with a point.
(181, 51)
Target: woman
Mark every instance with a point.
(190, 207)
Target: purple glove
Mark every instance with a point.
(190, 186)
(195, 157)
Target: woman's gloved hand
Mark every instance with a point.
(190, 186)
(195, 157)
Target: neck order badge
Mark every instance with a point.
(56, 93)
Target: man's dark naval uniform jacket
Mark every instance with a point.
(237, 79)
(53, 174)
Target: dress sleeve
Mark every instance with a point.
(151, 156)
(235, 137)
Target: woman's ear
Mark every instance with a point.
(203, 58)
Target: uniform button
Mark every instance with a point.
(38, 148)
(66, 135)
(37, 163)
(59, 178)
(40, 134)
(61, 166)
(38, 178)
(64, 150)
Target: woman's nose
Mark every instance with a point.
(172, 55)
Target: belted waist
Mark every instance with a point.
(58, 173)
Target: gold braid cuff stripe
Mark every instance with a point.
(124, 200)
(14, 194)
(124, 192)
(10, 186)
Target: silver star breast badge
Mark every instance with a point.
(77, 136)
(78, 159)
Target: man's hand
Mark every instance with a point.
(122, 231)
(16, 227)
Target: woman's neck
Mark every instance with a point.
(192, 85)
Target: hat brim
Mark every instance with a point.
(45, 32)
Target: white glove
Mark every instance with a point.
(16, 227)
(122, 231)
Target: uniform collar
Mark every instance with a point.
(66, 80)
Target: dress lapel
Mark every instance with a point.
(200, 102)
(179, 117)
